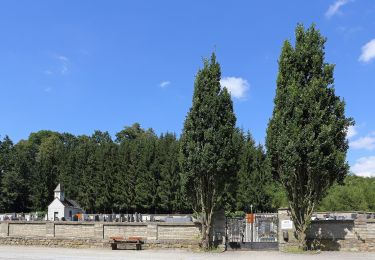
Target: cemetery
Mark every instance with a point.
(286, 172)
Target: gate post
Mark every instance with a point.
(252, 226)
(286, 233)
(4, 229)
(252, 229)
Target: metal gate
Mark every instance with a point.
(254, 232)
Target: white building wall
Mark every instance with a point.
(55, 206)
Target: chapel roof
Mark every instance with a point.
(58, 188)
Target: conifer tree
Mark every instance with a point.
(146, 171)
(168, 190)
(105, 167)
(254, 178)
(48, 147)
(306, 137)
(207, 154)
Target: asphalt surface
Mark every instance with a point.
(43, 253)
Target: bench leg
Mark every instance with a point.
(114, 246)
(138, 246)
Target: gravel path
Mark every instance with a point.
(43, 253)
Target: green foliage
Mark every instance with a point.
(169, 191)
(48, 157)
(306, 137)
(140, 172)
(235, 214)
(208, 157)
(254, 179)
(278, 196)
(11, 191)
(356, 194)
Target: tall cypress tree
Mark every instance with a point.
(69, 176)
(9, 184)
(105, 167)
(146, 173)
(124, 185)
(86, 166)
(22, 166)
(254, 178)
(207, 154)
(306, 137)
(168, 190)
(49, 149)
(129, 154)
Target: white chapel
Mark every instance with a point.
(62, 208)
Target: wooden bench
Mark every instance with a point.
(132, 241)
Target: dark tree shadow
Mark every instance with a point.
(328, 235)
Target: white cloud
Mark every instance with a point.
(367, 142)
(64, 64)
(62, 58)
(364, 166)
(164, 84)
(352, 131)
(334, 8)
(237, 87)
(61, 65)
(368, 51)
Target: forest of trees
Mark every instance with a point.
(357, 194)
(139, 171)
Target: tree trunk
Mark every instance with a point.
(301, 236)
(205, 238)
(302, 240)
(302, 219)
(206, 230)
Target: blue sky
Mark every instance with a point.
(77, 66)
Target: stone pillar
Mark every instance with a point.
(4, 229)
(285, 215)
(99, 231)
(152, 231)
(50, 229)
(360, 227)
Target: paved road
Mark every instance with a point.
(43, 253)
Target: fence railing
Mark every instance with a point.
(136, 217)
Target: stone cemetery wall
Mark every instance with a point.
(356, 234)
(33, 230)
(136, 229)
(97, 234)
